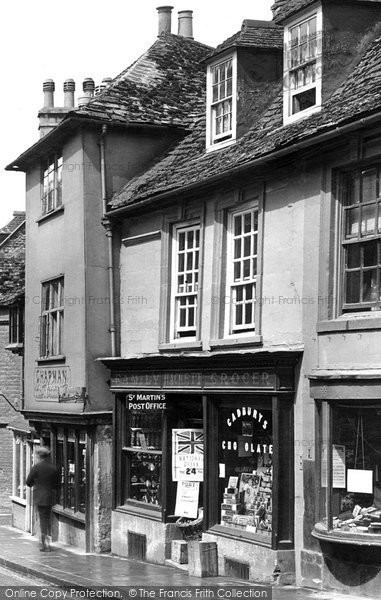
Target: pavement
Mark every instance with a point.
(68, 568)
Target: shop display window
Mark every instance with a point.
(246, 468)
(350, 468)
(70, 456)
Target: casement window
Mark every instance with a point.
(52, 184)
(70, 456)
(16, 324)
(302, 67)
(221, 102)
(185, 281)
(361, 240)
(52, 318)
(242, 271)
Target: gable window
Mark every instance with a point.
(361, 240)
(242, 271)
(52, 184)
(221, 101)
(52, 318)
(302, 69)
(185, 281)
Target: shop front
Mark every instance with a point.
(207, 440)
(81, 447)
(348, 527)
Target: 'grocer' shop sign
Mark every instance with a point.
(146, 402)
(207, 379)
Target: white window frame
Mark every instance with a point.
(51, 196)
(213, 142)
(175, 328)
(232, 330)
(288, 94)
(52, 317)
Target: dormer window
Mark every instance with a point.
(302, 67)
(221, 102)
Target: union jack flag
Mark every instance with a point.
(190, 442)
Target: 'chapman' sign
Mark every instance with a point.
(51, 383)
(208, 380)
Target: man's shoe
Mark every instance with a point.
(42, 549)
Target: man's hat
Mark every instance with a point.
(42, 451)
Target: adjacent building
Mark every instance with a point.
(12, 266)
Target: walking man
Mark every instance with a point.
(45, 479)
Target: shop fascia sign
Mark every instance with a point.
(145, 402)
(207, 379)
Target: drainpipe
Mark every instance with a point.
(109, 234)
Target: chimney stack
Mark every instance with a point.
(186, 23)
(88, 87)
(69, 89)
(48, 88)
(165, 19)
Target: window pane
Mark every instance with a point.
(353, 256)
(237, 225)
(369, 185)
(352, 222)
(247, 222)
(237, 248)
(370, 290)
(247, 246)
(370, 254)
(238, 315)
(353, 287)
(304, 100)
(237, 271)
(368, 218)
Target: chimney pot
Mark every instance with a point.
(186, 23)
(165, 19)
(48, 88)
(106, 80)
(88, 85)
(69, 89)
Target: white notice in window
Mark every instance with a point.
(360, 481)
(338, 466)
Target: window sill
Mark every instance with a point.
(240, 535)
(220, 145)
(345, 537)
(59, 358)
(16, 348)
(17, 500)
(253, 340)
(350, 323)
(52, 213)
(180, 346)
(69, 513)
(137, 510)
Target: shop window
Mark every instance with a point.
(185, 282)
(302, 67)
(253, 470)
(152, 435)
(52, 184)
(361, 240)
(221, 102)
(242, 272)
(52, 318)
(350, 469)
(70, 451)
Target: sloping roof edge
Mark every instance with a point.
(4, 242)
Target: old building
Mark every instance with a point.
(84, 155)
(249, 311)
(12, 265)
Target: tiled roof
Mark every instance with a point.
(18, 218)
(12, 261)
(282, 9)
(254, 34)
(165, 86)
(188, 163)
